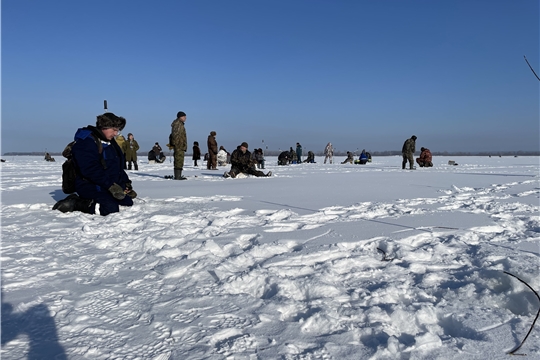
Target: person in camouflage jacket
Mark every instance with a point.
(349, 159)
(328, 153)
(409, 147)
(178, 141)
(425, 158)
(130, 148)
(241, 162)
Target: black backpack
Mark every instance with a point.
(70, 169)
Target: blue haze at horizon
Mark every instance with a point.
(358, 74)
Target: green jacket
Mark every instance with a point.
(130, 149)
(178, 138)
(409, 147)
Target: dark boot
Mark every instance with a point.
(66, 205)
(129, 166)
(136, 166)
(85, 205)
(178, 175)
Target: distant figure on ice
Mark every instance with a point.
(196, 153)
(298, 153)
(284, 158)
(350, 158)
(100, 176)
(120, 139)
(328, 153)
(363, 158)
(425, 158)
(222, 156)
(293, 158)
(409, 147)
(241, 162)
(156, 155)
(310, 157)
(178, 141)
(130, 148)
(258, 157)
(211, 164)
(158, 152)
(48, 157)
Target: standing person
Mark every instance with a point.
(196, 153)
(409, 147)
(178, 141)
(298, 153)
(293, 157)
(100, 176)
(130, 148)
(120, 139)
(425, 158)
(211, 164)
(259, 157)
(241, 162)
(328, 152)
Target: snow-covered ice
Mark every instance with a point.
(320, 261)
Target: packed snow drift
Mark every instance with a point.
(319, 261)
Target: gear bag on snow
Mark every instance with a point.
(69, 168)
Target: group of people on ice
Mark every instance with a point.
(99, 156)
(294, 156)
(408, 150)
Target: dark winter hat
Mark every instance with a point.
(110, 120)
(422, 149)
(244, 144)
(180, 114)
(414, 137)
(157, 143)
(213, 133)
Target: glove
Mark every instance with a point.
(117, 192)
(132, 194)
(129, 190)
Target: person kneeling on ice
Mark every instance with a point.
(363, 159)
(425, 158)
(242, 163)
(349, 159)
(99, 163)
(283, 158)
(310, 157)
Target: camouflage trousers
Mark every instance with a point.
(407, 157)
(178, 159)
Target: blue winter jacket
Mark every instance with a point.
(97, 172)
(363, 156)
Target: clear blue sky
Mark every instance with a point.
(360, 74)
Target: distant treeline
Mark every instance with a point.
(143, 155)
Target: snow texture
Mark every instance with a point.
(319, 261)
